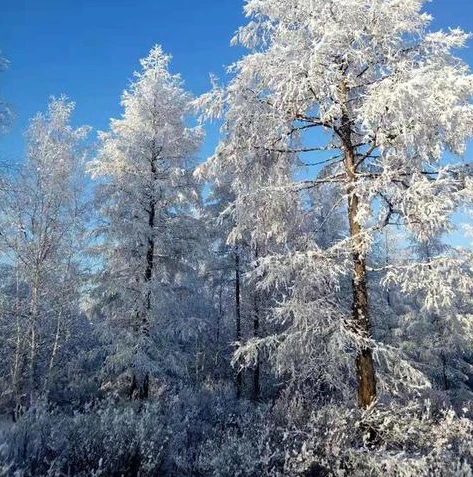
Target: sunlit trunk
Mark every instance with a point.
(360, 310)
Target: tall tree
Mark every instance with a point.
(148, 200)
(388, 97)
(44, 225)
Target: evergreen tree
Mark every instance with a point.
(149, 203)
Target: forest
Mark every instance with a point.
(293, 305)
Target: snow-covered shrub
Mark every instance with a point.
(162, 437)
(207, 433)
(407, 440)
(248, 446)
(107, 441)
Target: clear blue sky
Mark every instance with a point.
(88, 50)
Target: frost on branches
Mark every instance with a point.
(370, 100)
(43, 230)
(150, 228)
(293, 306)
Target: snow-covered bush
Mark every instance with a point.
(120, 439)
(208, 433)
(399, 439)
(107, 441)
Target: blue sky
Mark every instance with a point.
(88, 50)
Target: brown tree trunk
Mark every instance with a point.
(360, 311)
(361, 318)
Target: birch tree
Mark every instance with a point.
(44, 224)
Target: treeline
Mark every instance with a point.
(291, 306)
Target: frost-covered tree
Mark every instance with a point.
(432, 328)
(366, 89)
(322, 253)
(258, 217)
(150, 226)
(43, 223)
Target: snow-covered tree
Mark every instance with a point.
(43, 222)
(258, 217)
(149, 204)
(377, 99)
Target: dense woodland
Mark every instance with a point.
(290, 306)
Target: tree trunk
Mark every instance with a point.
(360, 311)
(55, 350)
(239, 376)
(33, 314)
(139, 388)
(149, 269)
(387, 263)
(140, 385)
(60, 323)
(19, 361)
(219, 321)
(256, 333)
(446, 383)
(150, 251)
